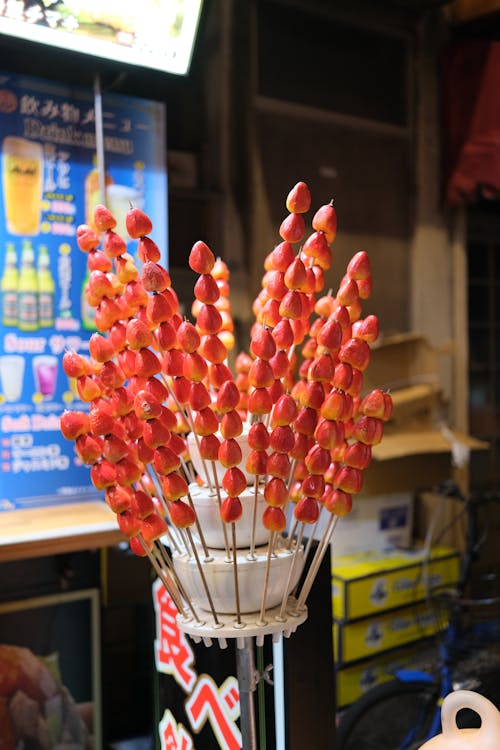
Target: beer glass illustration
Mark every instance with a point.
(45, 374)
(12, 376)
(119, 199)
(22, 180)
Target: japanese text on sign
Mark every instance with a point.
(206, 702)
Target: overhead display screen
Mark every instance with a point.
(157, 34)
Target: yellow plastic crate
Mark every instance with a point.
(368, 583)
(355, 679)
(359, 639)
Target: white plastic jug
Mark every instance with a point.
(487, 737)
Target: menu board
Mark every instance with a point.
(49, 187)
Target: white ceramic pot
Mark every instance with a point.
(219, 575)
(200, 465)
(207, 510)
(487, 737)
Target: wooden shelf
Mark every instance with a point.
(36, 532)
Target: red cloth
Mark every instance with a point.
(471, 121)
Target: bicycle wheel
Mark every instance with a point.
(388, 714)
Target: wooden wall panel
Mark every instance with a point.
(368, 172)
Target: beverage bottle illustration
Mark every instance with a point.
(27, 298)
(10, 286)
(46, 289)
(87, 312)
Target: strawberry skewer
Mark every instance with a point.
(256, 463)
(220, 272)
(150, 380)
(261, 378)
(118, 496)
(231, 427)
(156, 281)
(213, 351)
(194, 370)
(353, 358)
(182, 515)
(260, 402)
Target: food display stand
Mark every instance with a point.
(230, 486)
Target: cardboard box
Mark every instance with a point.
(416, 406)
(418, 459)
(358, 639)
(365, 584)
(354, 680)
(406, 365)
(400, 361)
(418, 450)
(381, 522)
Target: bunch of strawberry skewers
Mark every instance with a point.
(219, 478)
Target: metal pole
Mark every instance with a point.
(99, 138)
(279, 694)
(245, 672)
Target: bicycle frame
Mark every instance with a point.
(452, 634)
(445, 686)
(425, 690)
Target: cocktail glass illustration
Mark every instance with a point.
(119, 200)
(12, 376)
(45, 374)
(22, 180)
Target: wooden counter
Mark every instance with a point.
(36, 532)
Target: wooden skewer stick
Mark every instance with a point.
(190, 422)
(311, 536)
(295, 553)
(307, 550)
(266, 577)
(208, 556)
(292, 534)
(235, 574)
(219, 502)
(289, 484)
(189, 419)
(251, 553)
(173, 593)
(167, 560)
(316, 562)
(187, 470)
(272, 544)
(165, 507)
(183, 536)
(292, 472)
(160, 551)
(169, 388)
(202, 576)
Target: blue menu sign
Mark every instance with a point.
(49, 187)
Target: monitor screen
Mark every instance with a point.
(158, 34)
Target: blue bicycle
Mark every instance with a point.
(405, 712)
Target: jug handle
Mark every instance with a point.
(489, 714)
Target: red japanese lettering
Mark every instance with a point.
(173, 736)
(220, 706)
(173, 654)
